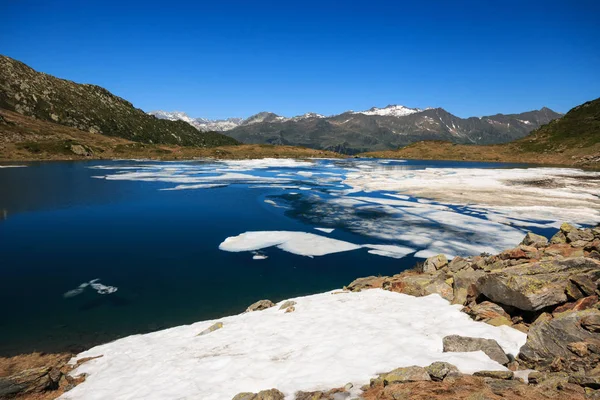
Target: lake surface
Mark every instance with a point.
(150, 233)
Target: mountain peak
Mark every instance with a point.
(393, 110)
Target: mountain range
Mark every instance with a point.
(375, 129)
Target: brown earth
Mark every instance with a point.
(25, 138)
(588, 156)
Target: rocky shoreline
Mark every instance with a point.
(545, 288)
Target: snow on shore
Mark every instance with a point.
(331, 339)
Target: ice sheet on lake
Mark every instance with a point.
(13, 166)
(389, 250)
(326, 230)
(301, 243)
(198, 186)
(329, 340)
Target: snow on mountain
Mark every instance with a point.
(202, 124)
(391, 111)
(307, 116)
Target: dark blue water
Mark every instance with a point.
(59, 227)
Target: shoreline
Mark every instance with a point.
(465, 288)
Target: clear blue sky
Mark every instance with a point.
(224, 58)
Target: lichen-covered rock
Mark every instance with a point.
(581, 304)
(368, 282)
(432, 264)
(495, 374)
(287, 304)
(458, 263)
(423, 285)
(531, 239)
(490, 347)
(27, 381)
(260, 305)
(533, 286)
(439, 370)
(212, 328)
(271, 394)
(406, 374)
(488, 312)
(465, 285)
(549, 338)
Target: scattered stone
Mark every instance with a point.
(287, 305)
(212, 328)
(495, 374)
(406, 374)
(290, 309)
(456, 343)
(439, 370)
(423, 285)
(531, 239)
(368, 282)
(489, 312)
(260, 305)
(271, 394)
(432, 264)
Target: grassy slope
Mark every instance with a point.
(24, 138)
(571, 140)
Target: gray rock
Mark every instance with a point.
(465, 285)
(271, 394)
(432, 264)
(458, 263)
(406, 374)
(212, 328)
(260, 305)
(531, 239)
(495, 374)
(456, 343)
(287, 304)
(536, 285)
(439, 370)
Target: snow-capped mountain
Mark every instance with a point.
(392, 110)
(202, 124)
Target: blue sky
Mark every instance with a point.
(228, 58)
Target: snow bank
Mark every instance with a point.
(331, 339)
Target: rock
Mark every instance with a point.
(558, 238)
(536, 285)
(490, 347)
(271, 394)
(423, 285)
(287, 305)
(439, 370)
(591, 381)
(564, 250)
(566, 228)
(465, 285)
(581, 304)
(591, 322)
(584, 283)
(334, 394)
(489, 312)
(80, 150)
(28, 381)
(432, 264)
(290, 309)
(580, 235)
(212, 328)
(368, 282)
(500, 387)
(458, 263)
(531, 239)
(495, 374)
(260, 305)
(579, 348)
(548, 339)
(513, 254)
(406, 374)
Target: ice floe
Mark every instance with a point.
(13, 166)
(326, 230)
(389, 250)
(330, 339)
(300, 243)
(94, 284)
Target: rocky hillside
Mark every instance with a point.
(91, 108)
(387, 128)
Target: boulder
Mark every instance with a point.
(551, 341)
(287, 304)
(536, 285)
(581, 304)
(406, 374)
(368, 282)
(27, 381)
(271, 394)
(432, 264)
(488, 312)
(423, 285)
(558, 238)
(439, 370)
(580, 235)
(465, 285)
(456, 343)
(260, 305)
(458, 263)
(531, 239)
(80, 150)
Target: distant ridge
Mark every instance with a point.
(91, 108)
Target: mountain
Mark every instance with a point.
(202, 124)
(91, 108)
(387, 128)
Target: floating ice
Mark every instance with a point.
(94, 284)
(386, 250)
(199, 186)
(13, 166)
(326, 230)
(330, 339)
(301, 243)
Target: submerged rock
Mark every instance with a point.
(456, 343)
(260, 305)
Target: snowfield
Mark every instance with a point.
(329, 340)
